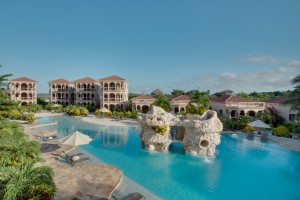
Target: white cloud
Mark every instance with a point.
(262, 58)
(277, 79)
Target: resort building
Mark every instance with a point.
(277, 106)
(23, 89)
(142, 103)
(178, 104)
(86, 92)
(61, 91)
(114, 92)
(236, 106)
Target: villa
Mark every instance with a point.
(236, 106)
(142, 102)
(277, 106)
(86, 91)
(61, 91)
(23, 89)
(114, 92)
(179, 103)
(109, 92)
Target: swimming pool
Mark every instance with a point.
(242, 169)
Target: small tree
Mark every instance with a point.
(281, 131)
(249, 129)
(30, 118)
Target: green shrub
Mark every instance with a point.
(129, 114)
(97, 113)
(162, 130)
(30, 118)
(14, 114)
(249, 129)
(281, 131)
(84, 112)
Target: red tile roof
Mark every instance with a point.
(57, 81)
(143, 96)
(86, 80)
(229, 98)
(180, 98)
(23, 79)
(278, 100)
(113, 77)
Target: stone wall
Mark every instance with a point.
(201, 133)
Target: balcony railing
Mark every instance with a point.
(113, 89)
(245, 105)
(85, 99)
(23, 89)
(85, 89)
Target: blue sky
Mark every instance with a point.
(195, 44)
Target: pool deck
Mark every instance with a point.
(93, 179)
(289, 143)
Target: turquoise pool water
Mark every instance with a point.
(242, 169)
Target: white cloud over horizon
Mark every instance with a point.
(276, 79)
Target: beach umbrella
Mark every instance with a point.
(104, 110)
(76, 139)
(258, 124)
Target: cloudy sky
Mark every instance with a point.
(172, 44)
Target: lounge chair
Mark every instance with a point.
(84, 159)
(134, 196)
(63, 150)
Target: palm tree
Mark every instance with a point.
(162, 101)
(3, 78)
(26, 182)
(295, 96)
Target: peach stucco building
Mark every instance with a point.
(61, 91)
(277, 105)
(110, 92)
(87, 91)
(142, 103)
(114, 92)
(236, 106)
(23, 89)
(179, 103)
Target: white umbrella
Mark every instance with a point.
(104, 110)
(76, 139)
(258, 124)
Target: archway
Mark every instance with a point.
(138, 107)
(112, 97)
(251, 113)
(242, 113)
(176, 110)
(111, 107)
(182, 109)
(145, 109)
(233, 114)
(23, 86)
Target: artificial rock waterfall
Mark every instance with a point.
(199, 134)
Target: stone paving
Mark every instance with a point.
(86, 181)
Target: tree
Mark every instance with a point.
(295, 96)
(3, 79)
(177, 92)
(162, 101)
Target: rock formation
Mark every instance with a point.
(199, 134)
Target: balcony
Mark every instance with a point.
(85, 89)
(116, 89)
(254, 105)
